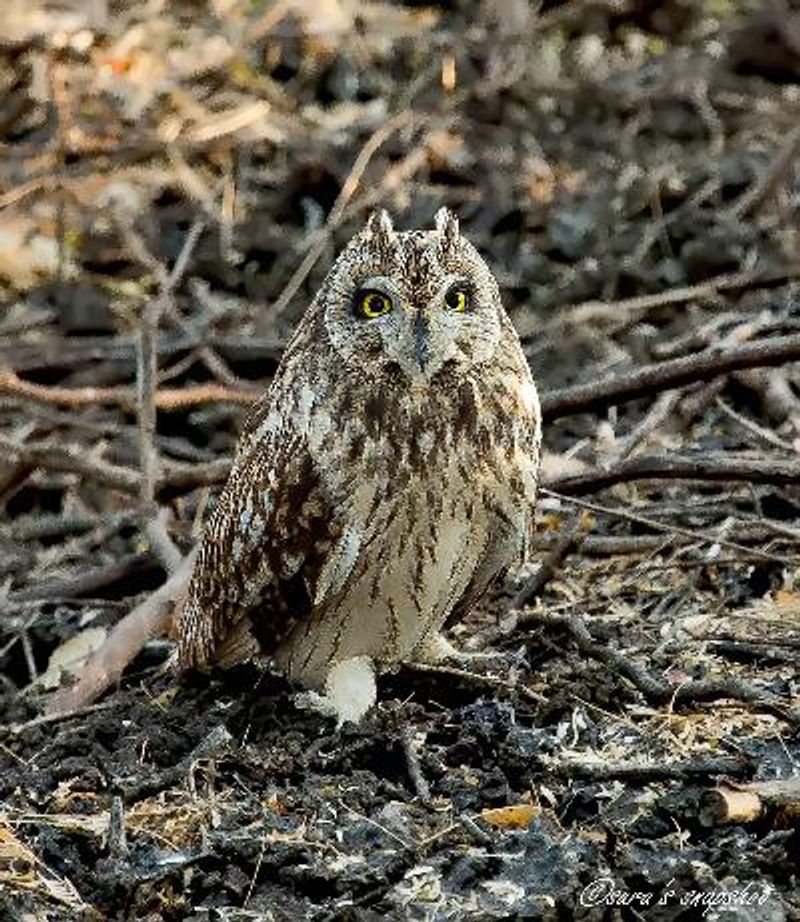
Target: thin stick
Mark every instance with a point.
(373, 143)
(77, 585)
(649, 379)
(751, 426)
(702, 537)
(158, 535)
(151, 618)
(68, 458)
(58, 716)
(626, 309)
(660, 693)
(165, 398)
(569, 540)
(147, 352)
(657, 415)
(475, 678)
(681, 467)
(647, 773)
(421, 787)
(750, 200)
(146, 372)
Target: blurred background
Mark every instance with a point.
(593, 150)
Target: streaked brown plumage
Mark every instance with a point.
(386, 478)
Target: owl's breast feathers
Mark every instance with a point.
(348, 504)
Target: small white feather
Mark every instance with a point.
(350, 691)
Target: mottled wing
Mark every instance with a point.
(261, 551)
(509, 542)
(492, 567)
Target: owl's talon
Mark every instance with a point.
(439, 650)
(436, 649)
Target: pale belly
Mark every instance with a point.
(408, 578)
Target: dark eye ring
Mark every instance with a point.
(371, 304)
(457, 299)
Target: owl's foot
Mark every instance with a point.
(436, 649)
(439, 650)
(350, 691)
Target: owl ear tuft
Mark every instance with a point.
(447, 226)
(379, 224)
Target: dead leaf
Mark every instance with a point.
(69, 657)
(26, 255)
(515, 816)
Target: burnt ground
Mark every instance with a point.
(629, 172)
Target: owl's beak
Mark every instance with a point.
(422, 341)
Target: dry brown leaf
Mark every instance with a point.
(787, 598)
(515, 816)
(274, 805)
(26, 255)
(68, 658)
(176, 825)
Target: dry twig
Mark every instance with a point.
(659, 693)
(151, 618)
(80, 584)
(349, 186)
(629, 309)
(751, 200)
(421, 787)
(776, 802)
(649, 379)
(662, 771)
(568, 541)
(674, 530)
(720, 467)
(165, 398)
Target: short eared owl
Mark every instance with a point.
(385, 479)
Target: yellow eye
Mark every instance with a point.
(456, 299)
(372, 304)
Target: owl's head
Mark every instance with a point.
(411, 302)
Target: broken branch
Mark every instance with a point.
(681, 467)
(151, 618)
(125, 397)
(659, 693)
(775, 801)
(648, 380)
